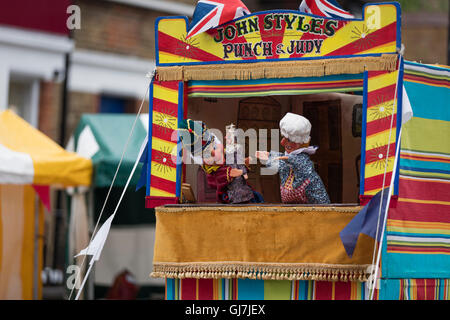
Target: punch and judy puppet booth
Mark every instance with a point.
(30, 163)
(272, 251)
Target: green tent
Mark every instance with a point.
(102, 138)
(110, 132)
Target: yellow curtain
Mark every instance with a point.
(278, 243)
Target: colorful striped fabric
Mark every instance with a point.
(421, 156)
(265, 87)
(247, 289)
(418, 229)
(240, 289)
(426, 74)
(415, 289)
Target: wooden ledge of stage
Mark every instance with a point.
(265, 241)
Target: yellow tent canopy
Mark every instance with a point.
(29, 161)
(27, 156)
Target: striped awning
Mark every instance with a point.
(283, 86)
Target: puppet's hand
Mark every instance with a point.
(283, 158)
(245, 176)
(236, 173)
(262, 155)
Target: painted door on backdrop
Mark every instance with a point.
(261, 113)
(325, 118)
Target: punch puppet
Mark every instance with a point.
(229, 179)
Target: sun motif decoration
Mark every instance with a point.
(363, 37)
(376, 156)
(184, 47)
(166, 120)
(382, 108)
(163, 160)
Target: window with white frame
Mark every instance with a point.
(23, 98)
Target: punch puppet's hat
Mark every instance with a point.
(195, 136)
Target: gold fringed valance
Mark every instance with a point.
(280, 69)
(261, 271)
(258, 242)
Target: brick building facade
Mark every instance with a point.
(426, 37)
(114, 49)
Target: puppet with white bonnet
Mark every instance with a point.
(299, 182)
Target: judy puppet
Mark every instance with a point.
(299, 182)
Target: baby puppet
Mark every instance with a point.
(299, 182)
(238, 191)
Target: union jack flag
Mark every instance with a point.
(324, 8)
(209, 14)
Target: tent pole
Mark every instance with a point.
(36, 249)
(91, 283)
